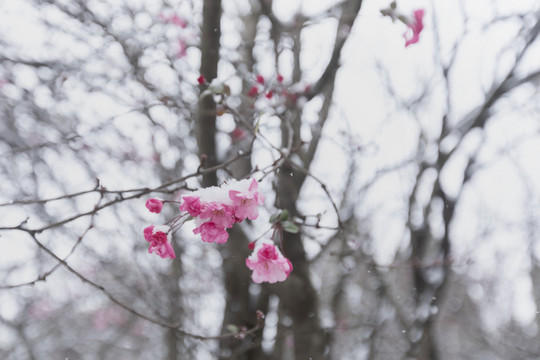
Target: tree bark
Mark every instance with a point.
(297, 295)
(206, 115)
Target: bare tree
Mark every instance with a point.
(109, 103)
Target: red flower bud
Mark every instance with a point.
(253, 92)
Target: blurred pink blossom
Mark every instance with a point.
(237, 134)
(107, 317)
(41, 309)
(174, 19)
(182, 50)
(415, 25)
(253, 91)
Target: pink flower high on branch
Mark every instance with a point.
(415, 25)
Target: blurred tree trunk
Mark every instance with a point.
(238, 311)
(175, 345)
(206, 115)
(297, 295)
(535, 277)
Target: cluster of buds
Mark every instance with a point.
(276, 91)
(271, 92)
(269, 88)
(260, 88)
(214, 210)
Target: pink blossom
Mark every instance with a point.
(182, 51)
(212, 233)
(253, 91)
(290, 96)
(216, 209)
(246, 203)
(104, 318)
(191, 204)
(237, 134)
(41, 309)
(148, 231)
(260, 79)
(154, 205)
(416, 26)
(219, 213)
(159, 241)
(267, 263)
(280, 78)
(174, 19)
(137, 329)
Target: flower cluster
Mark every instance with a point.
(214, 210)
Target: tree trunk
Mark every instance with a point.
(206, 116)
(297, 295)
